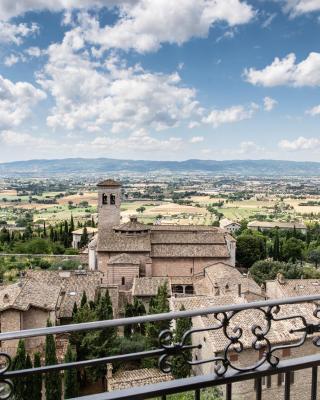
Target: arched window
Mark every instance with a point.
(112, 199)
(104, 198)
(177, 289)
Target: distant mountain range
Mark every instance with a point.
(99, 166)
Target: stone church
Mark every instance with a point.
(132, 250)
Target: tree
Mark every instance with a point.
(74, 309)
(250, 248)
(141, 209)
(180, 367)
(70, 376)
(84, 239)
(159, 304)
(83, 299)
(18, 363)
(314, 256)
(36, 379)
(276, 247)
(292, 249)
(52, 379)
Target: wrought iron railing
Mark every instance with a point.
(225, 371)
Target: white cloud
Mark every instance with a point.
(126, 98)
(143, 24)
(138, 141)
(314, 111)
(34, 51)
(16, 101)
(196, 139)
(13, 138)
(287, 72)
(269, 103)
(298, 7)
(15, 33)
(230, 115)
(301, 143)
(146, 24)
(11, 60)
(249, 147)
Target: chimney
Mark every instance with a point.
(216, 290)
(281, 279)
(109, 371)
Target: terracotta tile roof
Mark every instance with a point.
(279, 332)
(181, 280)
(275, 224)
(226, 222)
(28, 294)
(124, 258)
(186, 228)
(299, 287)
(109, 182)
(117, 242)
(138, 377)
(191, 250)
(179, 237)
(148, 286)
(72, 284)
(132, 226)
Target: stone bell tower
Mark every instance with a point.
(109, 202)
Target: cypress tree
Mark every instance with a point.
(276, 247)
(44, 229)
(37, 379)
(52, 379)
(84, 237)
(159, 304)
(180, 367)
(74, 310)
(18, 363)
(71, 224)
(70, 376)
(83, 299)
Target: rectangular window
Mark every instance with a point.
(104, 198)
(123, 280)
(112, 199)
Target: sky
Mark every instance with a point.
(160, 79)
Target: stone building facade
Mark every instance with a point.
(131, 250)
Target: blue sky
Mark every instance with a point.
(160, 79)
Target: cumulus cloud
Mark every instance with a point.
(143, 24)
(298, 7)
(196, 139)
(248, 147)
(314, 111)
(16, 101)
(230, 115)
(301, 143)
(16, 33)
(269, 103)
(286, 71)
(14, 138)
(11, 60)
(139, 140)
(125, 98)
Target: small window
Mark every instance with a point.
(286, 352)
(112, 199)
(234, 357)
(104, 198)
(123, 280)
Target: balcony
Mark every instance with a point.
(252, 357)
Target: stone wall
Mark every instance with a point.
(10, 321)
(34, 318)
(181, 266)
(117, 272)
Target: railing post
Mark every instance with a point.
(229, 391)
(314, 383)
(258, 388)
(197, 394)
(287, 383)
